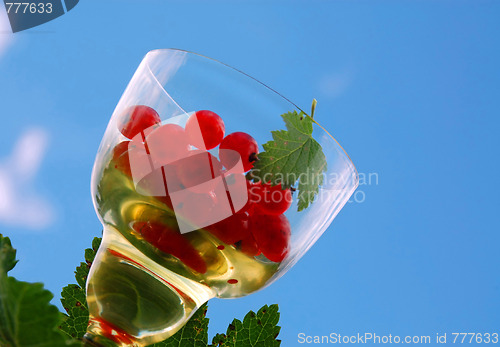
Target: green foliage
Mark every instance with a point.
(73, 297)
(293, 156)
(7, 255)
(75, 304)
(193, 334)
(259, 329)
(26, 317)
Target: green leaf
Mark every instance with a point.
(193, 334)
(26, 316)
(73, 296)
(259, 329)
(82, 271)
(293, 156)
(75, 304)
(7, 255)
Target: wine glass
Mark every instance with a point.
(187, 218)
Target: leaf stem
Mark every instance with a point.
(313, 107)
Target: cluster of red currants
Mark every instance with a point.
(184, 164)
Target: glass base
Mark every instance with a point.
(133, 301)
(102, 334)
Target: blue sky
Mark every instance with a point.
(409, 88)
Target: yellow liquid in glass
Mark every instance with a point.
(139, 295)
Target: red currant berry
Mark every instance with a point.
(231, 229)
(249, 247)
(234, 187)
(236, 146)
(136, 119)
(121, 159)
(170, 241)
(165, 200)
(272, 235)
(271, 199)
(150, 231)
(167, 144)
(174, 184)
(196, 209)
(197, 171)
(205, 129)
(253, 196)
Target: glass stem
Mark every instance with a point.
(134, 301)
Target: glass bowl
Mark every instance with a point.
(187, 219)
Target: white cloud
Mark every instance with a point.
(19, 204)
(5, 31)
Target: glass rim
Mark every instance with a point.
(160, 50)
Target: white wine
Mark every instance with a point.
(139, 294)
